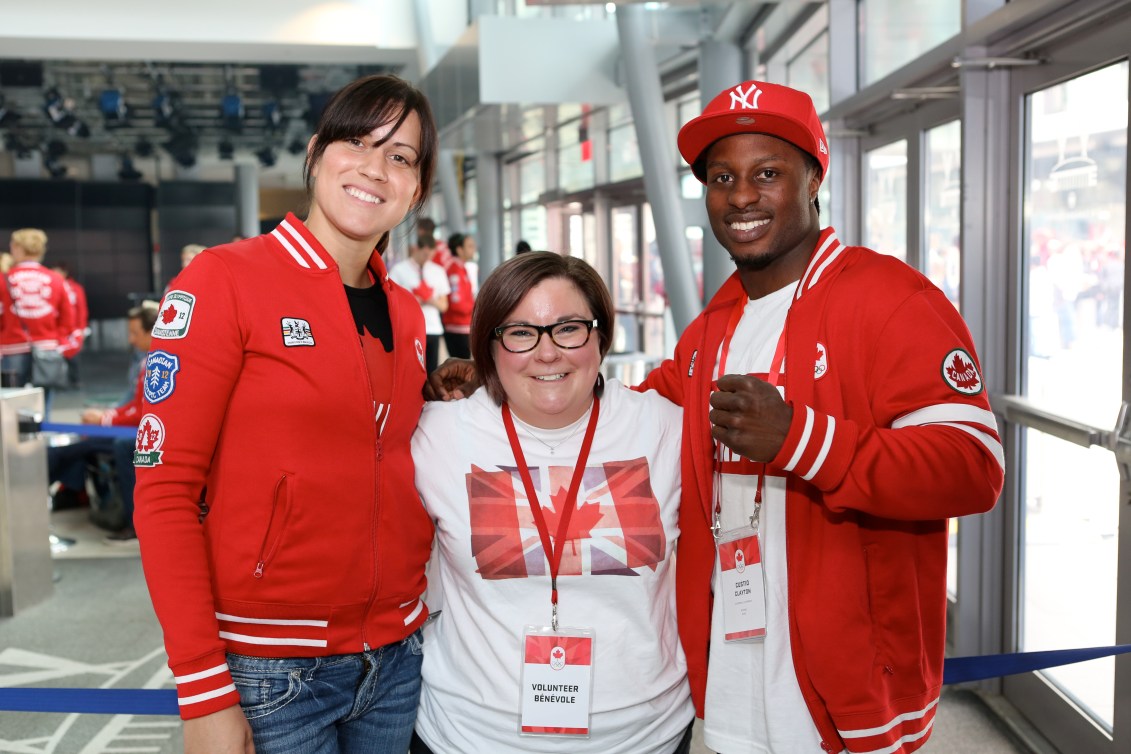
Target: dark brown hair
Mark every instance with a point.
(367, 103)
(509, 284)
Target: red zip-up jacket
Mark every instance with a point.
(42, 305)
(892, 433)
(315, 540)
(457, 318)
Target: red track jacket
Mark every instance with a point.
(315, 540)
(892, 434)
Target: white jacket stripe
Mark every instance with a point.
(948, 412)
(986, 439)
(272, 640)
(302, 242)
(217, 670)
(271, 621)
(898, 745)
(287, 245)
(809, 420)
(415, 612)
(207, 695)
(817, 266)
(897, 720)
(828, 443)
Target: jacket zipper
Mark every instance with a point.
(264, 555)
(379, 454)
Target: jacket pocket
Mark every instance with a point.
(281, 499)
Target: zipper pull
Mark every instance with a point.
(258, 570)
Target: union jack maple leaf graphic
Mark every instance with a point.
(581, 523)
(168, 314)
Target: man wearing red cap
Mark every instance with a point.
(834, 418)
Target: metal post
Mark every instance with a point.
(490, 231)
(720, 67)
(247, 200)
(449, 190)
(657, 155)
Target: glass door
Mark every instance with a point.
(1074, 382)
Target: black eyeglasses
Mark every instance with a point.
(520, 338)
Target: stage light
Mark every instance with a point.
(55, 149)
(227, 149)
(232, 112)
(143, 147)
(8, 117)
(56, 169)
(296, 146)
(182, 147)
(112, 105)
(272, 115)
(59, 112)
(266, 157)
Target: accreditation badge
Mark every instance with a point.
(557, 681)
(741, 585)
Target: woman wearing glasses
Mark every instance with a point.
(556, 520)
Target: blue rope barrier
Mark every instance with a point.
(90, 430)
(966, 669)
(90, 701)
(164, 701)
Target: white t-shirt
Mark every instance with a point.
(753, 702)
(619, 582)
(408, 274)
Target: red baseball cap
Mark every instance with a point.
(756, 107)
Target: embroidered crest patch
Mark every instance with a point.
(296, 332)
(175, 316)
(420, 354)
(557, 658)
(960, 373)
(161, 369)
(150, 438)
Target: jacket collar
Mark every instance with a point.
(307, 252)
(828, 251)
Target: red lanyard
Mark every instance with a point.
(772, 377)
(556, 547)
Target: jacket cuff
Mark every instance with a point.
(817, 448)
(204, 686)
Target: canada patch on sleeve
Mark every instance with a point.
(960, 372)
(150, 438)
(161, 369)
(175, 315)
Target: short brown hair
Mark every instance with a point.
(509, 284)
(145, 313)
(363, 105)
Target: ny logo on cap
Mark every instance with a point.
(741, 99)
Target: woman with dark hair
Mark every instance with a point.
(556, 518)
(282, 538)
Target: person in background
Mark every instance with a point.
(77, 295)
(426, 236)
(521, 247)
(428, 283)
(45, 317)
(457, 318)
(67, 464)
(557, 499)
(284, 382)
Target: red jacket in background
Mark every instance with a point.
(41, 303)
(892, 434)
(128, 414)
(257, 391)
(457, 318)
(77, 295)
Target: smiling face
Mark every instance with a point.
(363, 187)
(549, 387)
(759, 200)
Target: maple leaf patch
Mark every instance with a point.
(960, 372)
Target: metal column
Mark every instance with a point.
(490, 235)
(657, 155)
(720, 67)
(247, 200)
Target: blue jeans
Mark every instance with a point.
(353, 704)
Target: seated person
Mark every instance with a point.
(67, 464)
